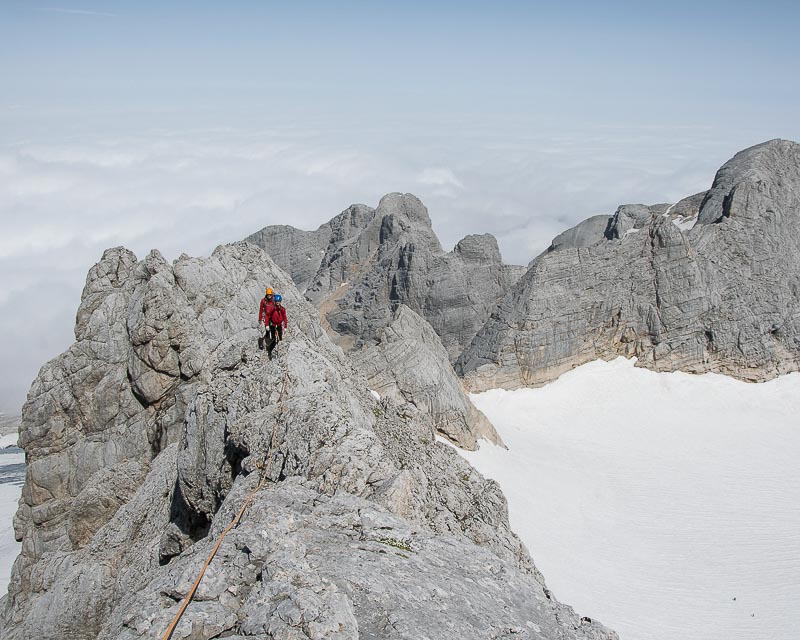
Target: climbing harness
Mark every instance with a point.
(264, 477)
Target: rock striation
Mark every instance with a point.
(143, 439)
(409, 364)
(711, 283)
(361, 266)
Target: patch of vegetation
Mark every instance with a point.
(397, 544)
(377, 411)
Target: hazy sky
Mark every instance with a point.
(184, 126)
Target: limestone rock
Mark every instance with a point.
(721, 294)
(684, 213)
(760, 180)
(145, 436)
(584, 234)
(340, 567)
(409, 364)
(301, 253)
(626, 219)
(370, 261)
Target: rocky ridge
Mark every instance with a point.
(359, 267)
(144, 437)
(711, 283)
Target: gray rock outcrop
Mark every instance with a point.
(302, 253)
(709, 284)
(144, 438)
(409, 364)
(583, 234)
(370, 261)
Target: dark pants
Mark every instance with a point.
(273, 337)
(275, 333)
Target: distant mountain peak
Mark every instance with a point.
(364, 263)
(669, 285)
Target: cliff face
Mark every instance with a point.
(367, 262)
(719, 294)
(409, 364)
(143, 439)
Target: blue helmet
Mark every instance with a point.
(277, 297)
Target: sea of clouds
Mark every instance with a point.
(66, 198)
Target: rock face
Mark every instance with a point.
(719, 294)
(359, 267)
(144, 438)
(583, 234)
(302, 253)
(409, 364)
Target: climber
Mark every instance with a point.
(277, 323)
(264, 313)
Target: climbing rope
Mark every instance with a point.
(264, 477)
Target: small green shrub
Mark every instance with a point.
(397, 544)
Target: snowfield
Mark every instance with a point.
(667, 505)
(12, 475)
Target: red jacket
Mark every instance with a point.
(278, 316)
(265, 310)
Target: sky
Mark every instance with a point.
(180, 126)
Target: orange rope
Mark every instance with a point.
(264, 477)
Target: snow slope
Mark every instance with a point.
(8, 440)
(12, 475)
(652, 500)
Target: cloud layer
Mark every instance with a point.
(62, 202)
